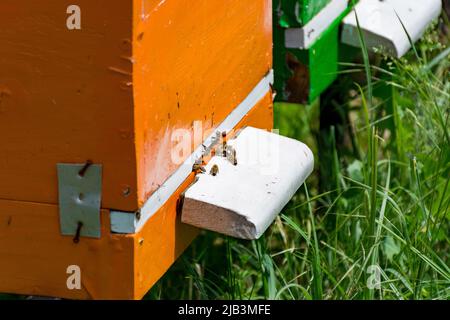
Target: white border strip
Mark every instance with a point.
(127, 223)
(303, 38)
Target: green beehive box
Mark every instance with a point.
(304, 71)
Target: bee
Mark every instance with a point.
(224, 144)
(214, 170)
(234, 157)
(231, 155)
(198, 168)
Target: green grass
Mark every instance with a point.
(378, 204)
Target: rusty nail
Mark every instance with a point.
(83, 170)
(126, 192)
(77, 235)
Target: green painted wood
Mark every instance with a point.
(315, 69)
(323, 62)
(297, 13)
(302, 75)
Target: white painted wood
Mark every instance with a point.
(304, 38)
(128, 223)
(382, 27)
(243, 200)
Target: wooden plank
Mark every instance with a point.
(241, 198)
(34, 256)
(115, 91)
(124, 222)
(297, 13)
(383, 24)
(306, 56)
(150, 264)
(63, 99)
(308, 34)
(192, 67)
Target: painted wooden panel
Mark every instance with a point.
(407, 21)
(302, 74)
(34, 256)
(192, 67)
(148, 268)
(115, 91)
(297, 13)
(64, 98)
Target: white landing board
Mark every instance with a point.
(381, 26)
(243, 200)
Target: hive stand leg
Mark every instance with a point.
(334, 134)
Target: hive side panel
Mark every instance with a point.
(34, 257)
(65, 96)
(194, 62)
(164, 237)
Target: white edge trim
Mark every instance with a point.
(127, 223)
(304, 38)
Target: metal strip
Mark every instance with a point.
(304, 38)
(128, 223)
(80, 193)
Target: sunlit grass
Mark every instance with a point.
(385, 210)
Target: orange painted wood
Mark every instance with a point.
(193, 60)
(114, 91)
(34, 256)
(148, 268)
(63, 99)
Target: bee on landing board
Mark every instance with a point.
(214, 170)
(198, 168)
(231, 155)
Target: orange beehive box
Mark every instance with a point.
(112, 82)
